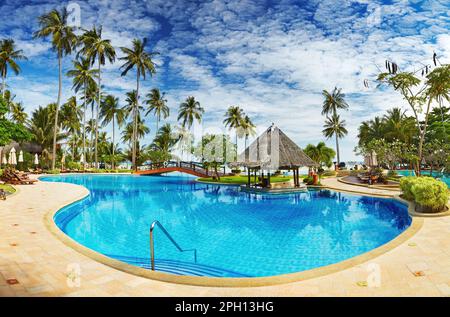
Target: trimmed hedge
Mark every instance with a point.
(430, 194)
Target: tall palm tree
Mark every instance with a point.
(83, 78)
(9, 56)
(18, 114)
(321, 154)
(247, 128)
(137, 58)
(64, 40)
(335, 127)
(70, 118)
(157, 104)
(111, 112)
(189, 111)
(233, 120)
(97, 49)
(334, 101)
(129, 133)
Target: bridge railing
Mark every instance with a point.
(193, 166)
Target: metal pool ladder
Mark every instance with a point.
(152, 249)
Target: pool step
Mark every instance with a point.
(179, 267)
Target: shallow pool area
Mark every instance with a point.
(236, 234)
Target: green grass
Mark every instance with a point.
(240, 180)
(7, 188)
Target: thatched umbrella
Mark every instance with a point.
(36, 159)
(274, 150)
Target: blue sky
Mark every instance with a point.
(272, 58)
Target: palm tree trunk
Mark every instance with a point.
(236, 153)
(84, 124)
(97, 114)
(55, 130)
(4, 82)
(113, 145)
(337, 149)
(135, 121)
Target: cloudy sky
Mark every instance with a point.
(272, 58)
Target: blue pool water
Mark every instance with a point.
(442, 176)
(235, 233)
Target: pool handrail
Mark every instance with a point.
(152, 242)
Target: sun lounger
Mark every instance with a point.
(14, 178)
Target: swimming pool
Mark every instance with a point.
(442, 176)
(236, 234)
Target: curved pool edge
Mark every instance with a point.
(48, 219)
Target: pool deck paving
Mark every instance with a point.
(34, 262)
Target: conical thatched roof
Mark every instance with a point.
(273, 150)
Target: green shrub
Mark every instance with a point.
(308, 180)
(406, 186)
(430, 194)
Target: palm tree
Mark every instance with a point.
(438, 89)
(83, 78)
(54, 24)
(321, 154)
(233, 120)
(9, 56)
(70, 118)
(129, 133)
(189, 111)
(335, 127)
(111, 112)
(157, 104)
(247, 128)
(137, 57)
(333, 101)
(18, 114)
(95, 48)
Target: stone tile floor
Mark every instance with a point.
(33, 262)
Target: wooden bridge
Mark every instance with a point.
(193, 168)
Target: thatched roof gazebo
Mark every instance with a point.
(271, 151)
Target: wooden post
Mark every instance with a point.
(248, 181)
(268, 178)
(298, 178)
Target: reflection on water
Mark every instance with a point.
(252, 234)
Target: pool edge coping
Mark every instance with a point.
(415, 226)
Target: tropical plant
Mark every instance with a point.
(10, 131)
(189, 110)
(64, 40)
(9, 56)
(247, 128)
(430, 194)
(111, 112)
(129, 133)
(233, 119)
(334, 126)
(84, 78)
(18, 114)
(97, 49)
(137, 57)
(158, 105)
(332, 102)
(417, 94)
(321, 154)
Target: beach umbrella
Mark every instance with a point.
(63, 158)
(20, 160)
(4, 161)
(12, 157)
(82, 158)
(36, 159)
